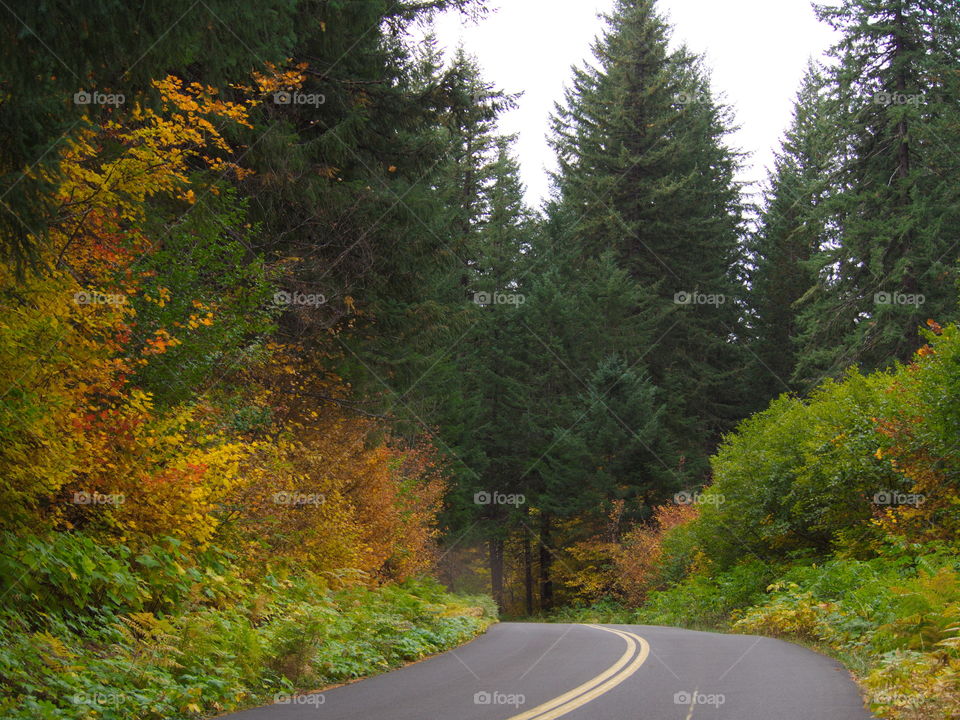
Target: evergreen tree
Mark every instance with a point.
(57, 51)
(789, 236)
(581, 323)
(490, 358)
(892, 208)
(645, 172)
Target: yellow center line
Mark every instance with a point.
(693, 703)
(593, 688)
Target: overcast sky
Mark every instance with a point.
(757, 51)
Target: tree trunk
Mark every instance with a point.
(495, 545)
(546, 559)
(528, 570)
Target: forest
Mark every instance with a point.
(296, 385)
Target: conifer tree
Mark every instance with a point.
(790, 233)
(644, 172)
(892, 209)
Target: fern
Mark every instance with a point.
(151, 640)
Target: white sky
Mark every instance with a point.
(757, 51)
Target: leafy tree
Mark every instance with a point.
(59, 54)
(201, 282)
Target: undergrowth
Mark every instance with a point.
(85, 633)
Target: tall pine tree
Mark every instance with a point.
(785, 247)
(644, 172)
(892, 207)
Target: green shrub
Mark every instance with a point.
(101, 650)
(702, 600)
(603, 611)
(680, 548)
(795, 477)
(893, 619)
(70, 573)
(874, 582)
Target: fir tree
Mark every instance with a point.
(790, 234)
(645, 173)
(892, 209)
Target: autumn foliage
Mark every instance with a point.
(639, 557)
(262, 452)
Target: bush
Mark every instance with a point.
(852, 498)
(640, 560)
(292, 635)
(800, 474)
(603, 611)
(69, 572)
(705, 601)
(893, 619)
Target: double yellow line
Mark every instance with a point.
(627, 665)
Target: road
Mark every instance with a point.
(541, 671)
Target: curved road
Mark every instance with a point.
(541, 671)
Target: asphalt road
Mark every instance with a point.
(540, 671)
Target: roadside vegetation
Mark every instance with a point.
(281, 339)
(831, 521)
(198, 511)
(97, 633)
